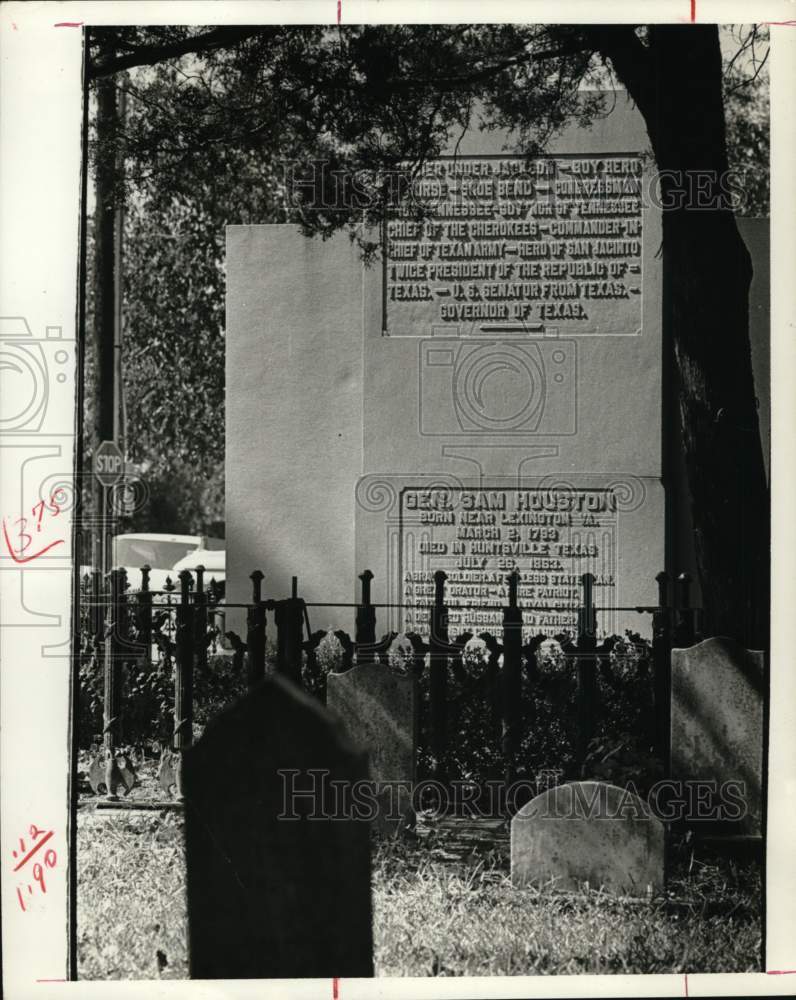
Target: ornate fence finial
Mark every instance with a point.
(365, 623)
(366, 577)
(255, 633)
(662, 579)
(257, 578)
(439, 587)
(513, 581)
(684, 581)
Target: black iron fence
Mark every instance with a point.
(175, 628)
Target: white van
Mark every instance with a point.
(165, 555)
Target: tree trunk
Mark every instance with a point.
(707, 277)
(707, 274)
(104, 300)
(104, 233)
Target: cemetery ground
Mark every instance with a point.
(443, 905)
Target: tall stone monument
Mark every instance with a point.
(487, 396)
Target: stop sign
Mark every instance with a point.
(108, 463)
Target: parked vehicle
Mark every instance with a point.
(164, 554)
(213, 560)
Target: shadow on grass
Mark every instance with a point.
(443, 905)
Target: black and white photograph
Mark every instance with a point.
(388, 524)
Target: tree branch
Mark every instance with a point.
(749, 80)
(483, 74)
(629, 58)
(148, 55)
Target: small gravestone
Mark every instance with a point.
(278, 884)
(591, 832)
(377, 705)
(717, 735)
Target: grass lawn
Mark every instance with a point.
(437, 911)
(435, 918)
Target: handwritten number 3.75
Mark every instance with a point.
(25, 526)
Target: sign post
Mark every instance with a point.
(108, 468)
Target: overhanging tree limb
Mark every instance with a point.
(150, 54)
(631, 61)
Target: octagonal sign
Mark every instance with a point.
(108, 463)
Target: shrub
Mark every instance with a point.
(620, 749)
(146, 693)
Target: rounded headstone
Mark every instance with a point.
(588, 832)
(717, 734)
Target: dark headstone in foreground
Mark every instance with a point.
(271, 897)
(717, 734)
(591, 832)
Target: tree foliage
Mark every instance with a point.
(748, 108)
(215, 114)
(174, 336)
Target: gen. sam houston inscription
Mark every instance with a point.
(478, 536)
(509, 244)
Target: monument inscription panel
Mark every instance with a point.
(510, 245)
(480, 536)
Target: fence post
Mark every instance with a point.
(365, 623)
(255, 634)
(216, 618)
(145, 616)
(684, 630)
(512, 683)
(200, 619)
(587, 678)
(98, 606)
(438, 680)
(111, 728)
(183, 677)
(493, 684)
(662, 666)
(289, 616)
